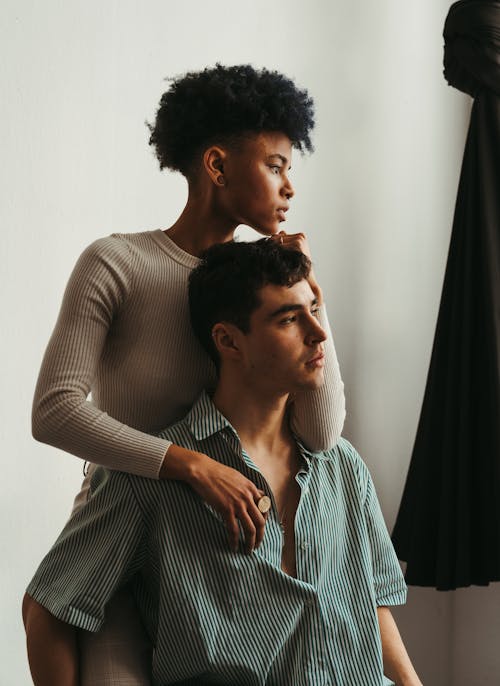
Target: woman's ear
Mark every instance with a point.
(213, 163)
(226, 338)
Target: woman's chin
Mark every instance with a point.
(271, 230)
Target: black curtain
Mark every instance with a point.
(448, 526)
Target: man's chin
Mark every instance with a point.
(313, 383)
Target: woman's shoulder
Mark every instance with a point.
(154, 246)
(122, 243)
(120, 249)
(148, 259)
(107, 248)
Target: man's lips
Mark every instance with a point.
(317, 361)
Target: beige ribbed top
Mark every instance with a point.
(123, 334)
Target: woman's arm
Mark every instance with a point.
(317, 417)
(62, 416)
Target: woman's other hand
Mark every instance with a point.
(298, 241)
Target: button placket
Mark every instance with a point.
(301, 532)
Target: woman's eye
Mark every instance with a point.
(275, 169)
(315, 312)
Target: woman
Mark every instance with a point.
(123, 333)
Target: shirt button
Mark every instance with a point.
(304, 545)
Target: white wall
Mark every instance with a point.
(78, 80)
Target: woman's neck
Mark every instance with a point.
(200, 225)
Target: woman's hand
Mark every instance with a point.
(230, 493)
(298, 241)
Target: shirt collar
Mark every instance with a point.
(205, 420)
(312, 454)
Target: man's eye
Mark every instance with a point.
(289, 320)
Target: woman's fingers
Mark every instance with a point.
(294, 241)
(249, 531)
(251, 520)
(298, 241)
(259, 519)
(235, 498)
(233, 531)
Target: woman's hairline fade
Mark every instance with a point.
(221, 104)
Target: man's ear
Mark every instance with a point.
(226, 338)
(213, 163)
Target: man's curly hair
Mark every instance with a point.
(226, 284)
(219, 104)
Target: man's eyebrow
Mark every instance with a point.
(291, 307)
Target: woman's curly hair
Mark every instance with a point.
(220, 103)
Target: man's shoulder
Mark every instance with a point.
(343, 452)
(345, 462)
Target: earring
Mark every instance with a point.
(220, 180)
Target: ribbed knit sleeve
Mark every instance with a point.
(62, 414)
(317, 417)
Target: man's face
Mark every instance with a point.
(283, 351)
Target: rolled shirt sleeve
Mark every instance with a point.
(99, 550)
(388, 581)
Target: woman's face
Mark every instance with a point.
(257, 189)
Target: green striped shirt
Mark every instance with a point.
(226, 617)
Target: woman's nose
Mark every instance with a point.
(288, 190)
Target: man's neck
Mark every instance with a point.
(259, 419)
(262, 425)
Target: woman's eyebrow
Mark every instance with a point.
(280, 157)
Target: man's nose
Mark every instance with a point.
(316, 333)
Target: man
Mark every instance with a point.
(310, 605)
